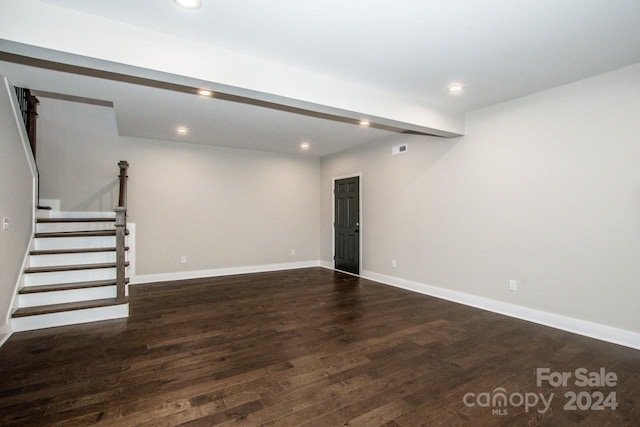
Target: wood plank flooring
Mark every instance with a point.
(306, 347)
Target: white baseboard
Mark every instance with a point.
(327, 264)
(5, 333)
(198, 274)
(19, 282)
(577, 326)
(73, 317)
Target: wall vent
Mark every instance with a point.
(399, 149)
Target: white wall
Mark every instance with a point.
(57, 28)
(544, 189)
(16, 199)
(222, 208)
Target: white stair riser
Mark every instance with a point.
(71, 259)
(42, 213)
(59, 227)
(50, 243)
(69, 317)
(64, 214)
(60, 297)
(35, 279)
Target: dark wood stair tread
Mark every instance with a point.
(92, 233)
(67, 286)
(69, 306)
(57, 268)
(63, 220)
(73, 251)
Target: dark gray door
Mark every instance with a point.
(347, 225)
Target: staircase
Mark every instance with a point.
(71, 274)
(76, 270)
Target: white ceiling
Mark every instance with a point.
(499, 49)
(147, 112)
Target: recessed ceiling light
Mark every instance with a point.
(456, 88)
(189, 4)
(182, 130)
(364, 123)
(205, 92)
(305, 145)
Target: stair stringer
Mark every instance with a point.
(7, 330)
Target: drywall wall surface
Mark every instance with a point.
(221, 207)
(544, 190)
(57, 28)
(16, 198)
(78, 154)
(218, 207)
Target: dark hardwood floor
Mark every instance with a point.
(305, 347)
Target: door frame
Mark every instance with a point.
(333, 221)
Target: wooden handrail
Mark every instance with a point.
(28, 104)
(121, 227)
(29, 109)
(32, 120)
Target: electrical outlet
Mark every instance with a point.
(183, 259)
(394, 264)
(293, 251)
(5, 224)
(513, 285)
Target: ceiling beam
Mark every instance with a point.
(69, 63)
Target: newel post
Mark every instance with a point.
(121, 226)
(122, 197)
(121, 231)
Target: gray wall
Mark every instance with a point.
(16, 199)
(220, 207)
(544, 189)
